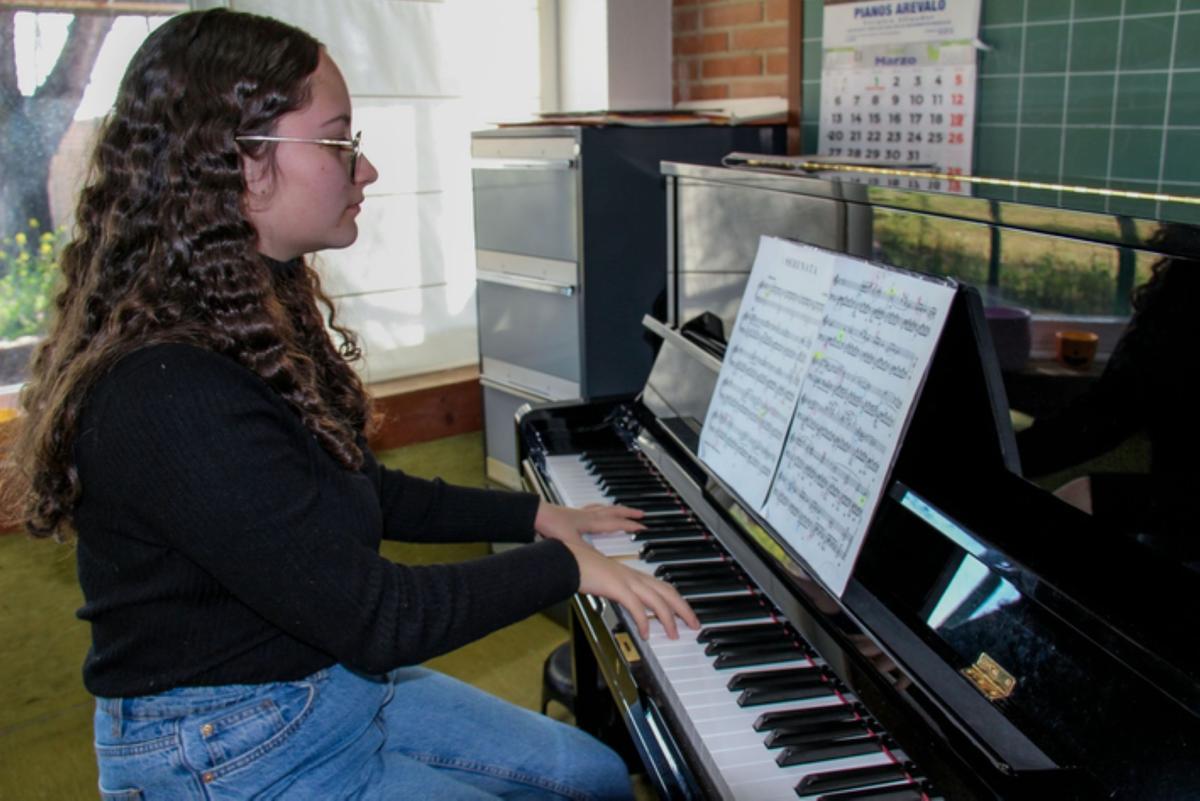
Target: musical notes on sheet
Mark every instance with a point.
(774, 334)
(873, 348)
(815, 392)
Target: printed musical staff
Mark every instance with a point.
(871, 353)
(768, 353)
(827, 355)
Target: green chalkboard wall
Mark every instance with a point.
(1094, 92)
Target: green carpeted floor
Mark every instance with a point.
(45, 714)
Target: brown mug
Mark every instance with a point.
(1076, 348)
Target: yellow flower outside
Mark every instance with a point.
(47, 237)
(46, 249)
(20, 238)
(33, 223)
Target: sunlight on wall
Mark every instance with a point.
(503, 88)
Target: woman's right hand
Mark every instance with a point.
(639, 593)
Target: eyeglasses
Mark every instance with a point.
(353, 145)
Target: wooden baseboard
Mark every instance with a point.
(427, 407)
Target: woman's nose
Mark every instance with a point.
(365, 172)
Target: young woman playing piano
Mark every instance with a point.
(192, 421)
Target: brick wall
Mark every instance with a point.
(729, 48)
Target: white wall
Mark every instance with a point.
(610, 55)
(422, 75)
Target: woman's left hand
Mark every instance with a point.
(568, 524)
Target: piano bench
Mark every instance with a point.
(557, 683)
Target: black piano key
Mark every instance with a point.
(769, 721)
(661, 523)
(610, 492)
(690, 588)
(757, 696)
(591, 459)
(615, 459)
(775, 678)
(668, 552)
(820, 733)
(618, 465)
(626, 497)
(694, 570)
(747, 632)
(851, 746)
(754, 634)
(629, 484)
(720, 645)
(627, 463)
(654, 505)
(760, 654)
(611, 473)
(632, 482)
(895, 792)
(853, 778)
(667, 519)
(631, 472)
(623, 457)
(628, 481)
(726, 613)
(736, 607)
(677, 533)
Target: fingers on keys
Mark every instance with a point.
(616, 517)
(664, 603)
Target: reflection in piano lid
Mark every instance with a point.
(1088, 689)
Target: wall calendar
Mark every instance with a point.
(898, 88)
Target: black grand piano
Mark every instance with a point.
(992, 642)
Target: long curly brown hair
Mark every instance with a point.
(163, 252)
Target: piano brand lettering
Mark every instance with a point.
(910, 7)
(884, 10)
(921, 6)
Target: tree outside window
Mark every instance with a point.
(58, 78)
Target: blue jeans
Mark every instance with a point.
(412, 734)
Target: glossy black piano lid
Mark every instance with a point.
(1103, 695)
(1065, 607)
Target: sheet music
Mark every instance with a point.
(765, 365)
(873, 349)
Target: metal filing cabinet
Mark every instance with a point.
(571, 252)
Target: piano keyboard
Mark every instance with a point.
(766, 716)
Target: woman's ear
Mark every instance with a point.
(258, 176)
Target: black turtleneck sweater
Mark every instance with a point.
(218, 543)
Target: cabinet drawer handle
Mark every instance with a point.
(522, 164)
(525, 282)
